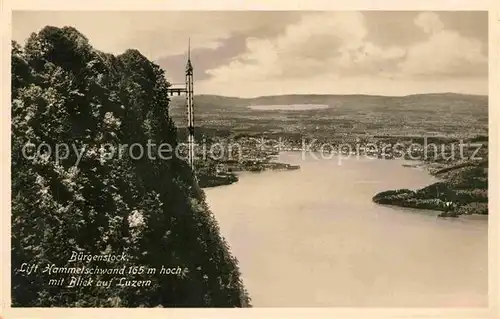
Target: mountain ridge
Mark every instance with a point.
(443, 94)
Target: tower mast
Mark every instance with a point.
(187, 88)
(189, 106)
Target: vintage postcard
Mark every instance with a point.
(316, 158)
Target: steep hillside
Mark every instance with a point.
(64, 92)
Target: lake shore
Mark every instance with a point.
(462, 190)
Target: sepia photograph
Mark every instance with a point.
(249, 159)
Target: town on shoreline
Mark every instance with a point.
(460, 165)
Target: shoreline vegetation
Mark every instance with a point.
(462, 186)
(223, 170)
(461, 190)
(229, 175)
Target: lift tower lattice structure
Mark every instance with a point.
(188, 89)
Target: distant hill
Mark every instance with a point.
(442, 100)
(445, 114)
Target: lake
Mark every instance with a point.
(289, 107)
(313, 237)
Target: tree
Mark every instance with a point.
(64, 92)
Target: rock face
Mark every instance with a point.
(86, 104)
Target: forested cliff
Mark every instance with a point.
(64, 92)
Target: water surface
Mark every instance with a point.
(313, 237)
(289, 107)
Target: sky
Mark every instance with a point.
(256, 53)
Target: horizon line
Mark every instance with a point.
(349, 94)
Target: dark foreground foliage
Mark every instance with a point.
(64, 91)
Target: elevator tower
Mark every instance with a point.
(188, 89)
(189, 106)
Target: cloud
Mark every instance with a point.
(333, 84)
(429, 22)
(155, 34)
(332, 51)
(444, 53)
(332, 43)
(322, 43)
(336, 45)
